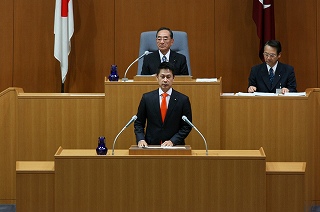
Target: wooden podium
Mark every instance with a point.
(222, 181)
(122, 100)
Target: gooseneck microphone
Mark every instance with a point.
(185, 119)
(127, 125)
(124, 79)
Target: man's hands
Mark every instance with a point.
(143, 143)
(252, 89)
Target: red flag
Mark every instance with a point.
(263, 16)
(63, 31)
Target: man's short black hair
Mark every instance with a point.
(275, 44)
(166, 65)
(165, 28)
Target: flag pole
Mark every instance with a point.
(62, 87)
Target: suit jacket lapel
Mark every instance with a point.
(156, 104)
(265, 75)
(172, 103)
(277, 75)
(173, 56)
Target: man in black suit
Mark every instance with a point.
(151, 62)
(272, 75)
(172, 130)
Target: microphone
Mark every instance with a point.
(127, 125)
(124, 79)
(185, 119)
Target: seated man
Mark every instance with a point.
(151, 62)
(272, 75)
(162, 111)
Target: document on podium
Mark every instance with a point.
(271, 94)
(265, 94)
(164, 147)
(295, 94)
(244, 94)
(206, 80)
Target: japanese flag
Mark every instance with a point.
(63, 31)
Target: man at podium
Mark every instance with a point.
(162, 110)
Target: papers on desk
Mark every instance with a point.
(227, 94)
(265, 94)
(271, 94)
(164, 147)
(206, 80)
(244, 94)
(295, 94)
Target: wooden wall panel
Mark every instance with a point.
(33, 47)
(317, 42)
(133, 17)
(46, 122)
(236, 43)
(93, 45)
(298, 36)
(92, 49)
(222, 40)
(6, 43)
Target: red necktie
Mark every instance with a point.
(163, 106)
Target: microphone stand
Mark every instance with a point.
(127, 125)
(205, 142)
(185, 119)
(114, 142)
(125, 79)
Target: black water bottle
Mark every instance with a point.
(101, 149)
(114, 73)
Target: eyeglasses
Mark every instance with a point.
(269, 55)
(165, 39)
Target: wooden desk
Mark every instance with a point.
(286, 127)
(123, 98)
(223, 181)
(8, 145)
(286, 186)
(35, 186)
(290, 134)
(271, 122)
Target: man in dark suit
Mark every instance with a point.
(151, 62)
(272, 75)
(170, 129)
